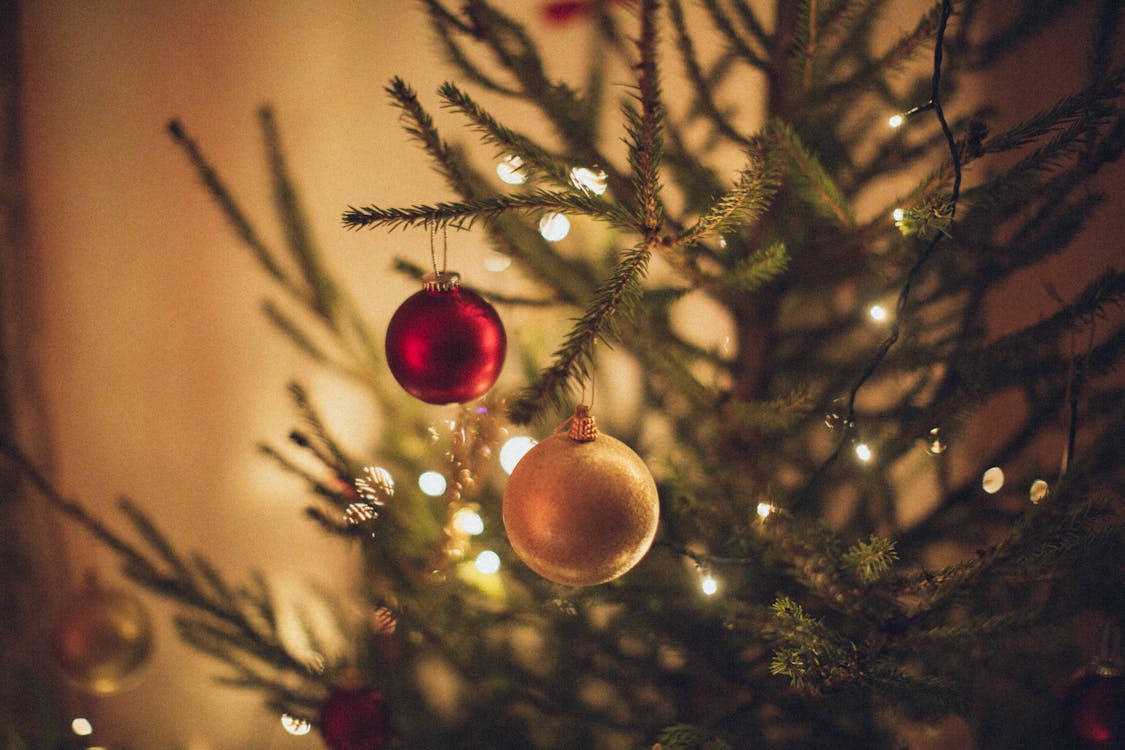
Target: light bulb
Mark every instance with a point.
(591, 180)
(863, 452)
(513, 450)
(432, 483)
(898, 215)
(708, 584)
(554, 227)
(82, 727)
(468, 521)
(487, 562)
(764, 510)
(509, 170)
(992, 480)
(294, 725)
(878, 313)
(895, 121)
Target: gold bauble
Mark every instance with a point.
(102, 638)
(581, 508)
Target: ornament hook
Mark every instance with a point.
(444, 249)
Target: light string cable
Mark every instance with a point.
(848, 424)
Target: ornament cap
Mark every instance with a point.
(583, 428)
(441, 281)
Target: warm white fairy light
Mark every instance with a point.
(509, 170)
(496, 262)
(554, 227)
(764, 510)
(1038, 491)
(896, 121)
(992, 480)
(590, 180)
(878, 313)
(487, 562)
(898, 215)
(863, 452)
(432, 483)
(708, 585)
(468, 521)
(82, 727)
(295, 725)
(513, 450)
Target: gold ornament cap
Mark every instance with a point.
(583, 428)
(441, 281)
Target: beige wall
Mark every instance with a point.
(160, 374)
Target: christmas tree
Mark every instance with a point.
(780, 509)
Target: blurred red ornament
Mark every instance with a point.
(1094, 707)
(355, 719)
(445, 344)
(565, 11)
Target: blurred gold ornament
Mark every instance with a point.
(581, 508)
(102, 638)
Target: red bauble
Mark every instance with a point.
(1094, 708)
(355, 719)
(445, 344)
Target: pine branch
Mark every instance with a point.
(740, 205)
(1073, 109)
(823, 192)
(869, 561)
(463, 214)
(230, 208)
(321, 294)
(901, 51)
(760, 268)
(445, 24)
(535, 159)
(420, 126)
(705, 97)
(299, 338)
(181, 585)
(572, 359)
(726, 26)
(336, 459)
(645, 141)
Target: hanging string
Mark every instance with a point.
(444, 251)
(593, 383)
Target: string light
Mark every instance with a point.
(1038, 491)
(937, 444)
(992, 480)
(496, 262)
(432, 483)
(509, 170)
(878, 313)
(82, 727)
(896, 121)
(487, 562)
(554, 227)
(513, 450)
(764, 510)
(589, 180)
(468, 521)
(708, 584)
(898, 215)
(295, 725)
(863, 452)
